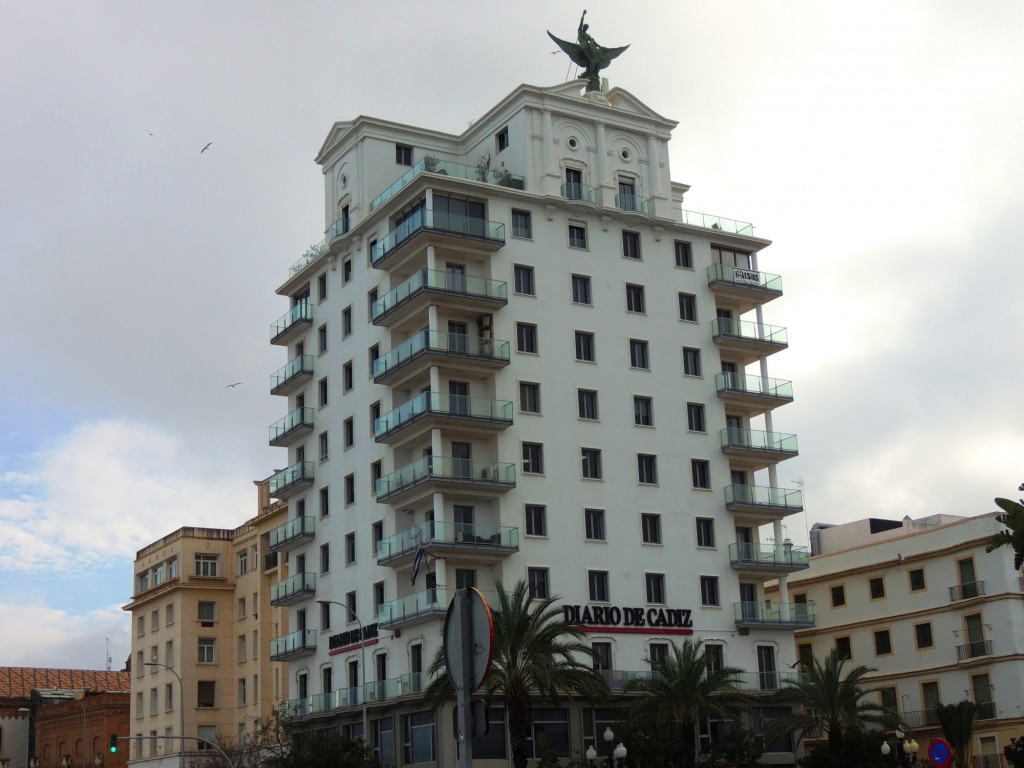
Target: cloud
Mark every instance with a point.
(63, 639)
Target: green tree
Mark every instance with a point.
(1013, 535)
(682, 689)
(860, 750)
(1014, 752)
(832, 702)
(536, 651)
(316, 750)
(957, 721)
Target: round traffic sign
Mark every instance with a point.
(940, 753)
(478, 645)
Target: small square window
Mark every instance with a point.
(916, 579)
(631, 244)
(635, 300)
(594, 520)
(684, 255)
(533, 458)
(691, 361)
(587, 402)
(638, 354)
(923, 635)
(529, 397)
(700, 472)
(647, 469)
(709, 590)
(591, 458)
(522, 225)
(705, 532)
(523, 279)
(844, 648)
(577, 236)
(536, 520)
(650, 528)
(695, 417)
(838, 594)
(876, 587)
(655, 584)
(598, 582)
(501, 139)
(526, 338)
(403, 154)
(537, 578)
(688, 307)
(585, 346)
(581, 289)
(643, 411)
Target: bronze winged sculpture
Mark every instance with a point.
(588, 54)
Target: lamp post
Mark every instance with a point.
(906, 749)
(615, 754)
(362, 664)
(181, 705)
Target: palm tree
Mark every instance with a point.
(957, 721)
(1013, 535)
(832, 702)
(683, 688)
(536, 651)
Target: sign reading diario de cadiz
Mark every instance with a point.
(613, 618)
(343, 641)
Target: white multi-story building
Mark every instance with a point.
(936, 617)
(515, 350)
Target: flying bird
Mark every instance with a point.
(149, 132)
(232, 386)
(206, 147)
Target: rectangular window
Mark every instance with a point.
(591, 458)
(207, 611)
(537, 578)
(598, 581)
(655, 583)
(643, 411)
(378, 597)
(638, 356)
(691, 361)
(581, 289)
(349, 430)
(684, 255)
(647, 469)
(529, 397)
(635, 300)
(241, 607)
(325, 616)
(501, 139)
(923, 635)
(523, 279)
(321, 287)
(577, 236)
(403, 154)
(657, 655)
(322, 391)
(688, 307)
(371, 299)
(206, 565)
(602, 656)
(585, 346)
(650, 528)
(207, 650)
(522, 226)
(587, 403)
(376, 473)
(526, 337)
(374, 415)
(346, 321)
(346, 271)
(916, 579)
(347, 377)
(377, 535)
(876, 587)
(533, 458)
(325, 558)
(883, 643)
(372, 353)
(536, 520)
(321, 335)
(242, 647)
(838, 594)
(631, 244)
(695, 417)
(844, 648)
(705, 532)
(700, 473)
(594, 521)
(324, 445)
(709, 590)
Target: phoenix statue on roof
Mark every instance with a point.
(588, 54)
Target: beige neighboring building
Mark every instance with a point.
(922, 602)
(201, 614)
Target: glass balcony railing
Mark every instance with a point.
(763, 386)
(777, 614)
(436, 403)
(744, 278)
(757, 440)
(708, 221)
(448, 223)
(766, 681)
(297, 419)
(430, 601)
(744, 330)
(446, 469)
(632, 203)
(393, 687)
(767, 555)
(339, 227)
(300, 472)
(294, 644)
(789, 499)
(292, 587)
(297, 528)
(301, 365)
(342, 698)
(441, 281)
(430, 164)
(313, 253)
(440, 343)
(582, 192)
(300, 313)
(410, 540)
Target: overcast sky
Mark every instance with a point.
(877, 144)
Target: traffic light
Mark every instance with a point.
(113, 743)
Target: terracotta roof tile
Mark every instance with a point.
(18, 682)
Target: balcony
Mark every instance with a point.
(746, 288)
(766, 681)
(484, 543)
(406, 303)
(434, 348)
(764, 501)
(339, 228)
(618, 679)
(974, 650)
(296, 531)
(397, 687)
(767, 559)
(442, 228)
(297, 423)
(753, 394)
(313, 253)
(287, 379)
(433, 409)
(966, 591)
(293, 589)
(270, 562)
(282, 484)
(497, 176)
(580, 192)
(291, 646)
(632, 203)
(343, 698)
(432, 474)
(756, 449)
(717, 223)
(287, 327)
(430, 603)
(920, 718)
(773, 615)
(746, 340)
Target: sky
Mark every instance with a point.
(876, 144)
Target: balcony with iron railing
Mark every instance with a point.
(486, 175)
(270, 561)
(431, 474)
(286, 379)
(763, 500)
(993, 760)
(286, 327)
(447, 539)
(747, 341)
(973, 650)
(435, 409)
(632, 203)
(717, 223)
(767, 558)
(773, 615)
(298, 587)
(293, 645)
(748, 288)
(296, 531)
(967, 591)
(297, 423)
(488, 236)
(756, 449)
(581, 192)
(425, 287)
(754, 394)
(282, 484)
(435, 347)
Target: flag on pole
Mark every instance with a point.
(420, 554)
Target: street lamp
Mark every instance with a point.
(362, 663)
(906, 752)
(181, 705)
(615, 754)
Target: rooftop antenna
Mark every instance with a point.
(109, 660)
